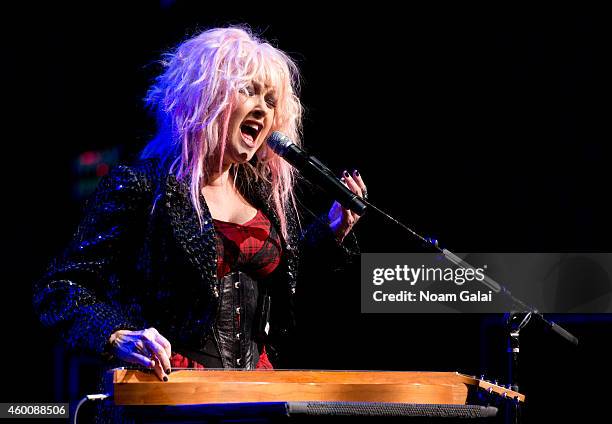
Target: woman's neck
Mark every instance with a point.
(220, 180)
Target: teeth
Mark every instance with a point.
(254, 126)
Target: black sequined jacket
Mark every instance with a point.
(139, 259)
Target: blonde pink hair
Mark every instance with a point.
(194, 97)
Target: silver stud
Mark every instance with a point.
(238, 310)
(238, 361)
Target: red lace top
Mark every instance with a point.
(253, 247)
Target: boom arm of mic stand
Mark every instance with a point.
(557, 329)
(488, 281)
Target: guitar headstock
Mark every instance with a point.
(503, 391)
(493, 387)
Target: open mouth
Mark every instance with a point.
(250, 130)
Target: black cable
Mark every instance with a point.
(99, 396)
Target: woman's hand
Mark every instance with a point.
(342, 220)
(147, 348)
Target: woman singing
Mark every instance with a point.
(190, 257)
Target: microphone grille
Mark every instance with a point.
(279, 142)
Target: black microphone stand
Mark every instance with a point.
(515, 322)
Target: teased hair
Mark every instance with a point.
(194, 96)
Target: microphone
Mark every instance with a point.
(315, 172)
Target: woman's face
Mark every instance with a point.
(250, 122)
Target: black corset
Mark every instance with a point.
(240, 325)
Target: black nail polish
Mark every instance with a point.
(356, 173)
(168, 371)
(165, 378)
(346, 174)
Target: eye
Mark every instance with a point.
(248, 90)
(271, 102)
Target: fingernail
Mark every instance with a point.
(165, 378)
(168, 371)
(356, 173)
(346, 174)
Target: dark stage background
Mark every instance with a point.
(483, 128)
